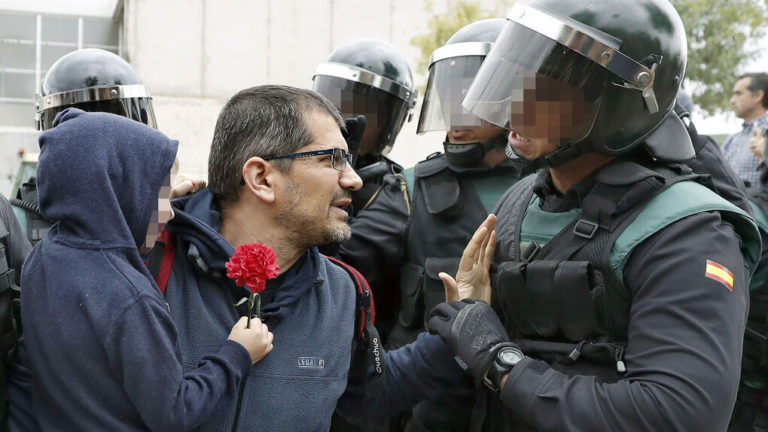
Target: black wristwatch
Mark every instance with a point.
(506, 358)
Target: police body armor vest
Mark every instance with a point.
(446, 210)
(559, 288)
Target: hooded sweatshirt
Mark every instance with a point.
(310, 309)
(98, 336)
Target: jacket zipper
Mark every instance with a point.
(239, 403)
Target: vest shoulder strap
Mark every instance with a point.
(620, 193)
(676, 202)
(511, 210)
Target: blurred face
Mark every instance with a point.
(746, 105)
(470, 134)
(352, 105)
(550, 113)
(313, 194)
(161, 215)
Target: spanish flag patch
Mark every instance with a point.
(719, 273)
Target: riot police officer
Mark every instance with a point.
(420, 220)
(369, 77)
(92, 80)
(622, 281)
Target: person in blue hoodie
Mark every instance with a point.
(98, 338)
(279, 174)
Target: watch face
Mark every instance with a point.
(510, 356)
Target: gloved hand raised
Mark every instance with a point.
(354, 135)
(472, 329)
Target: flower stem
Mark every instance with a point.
(253, 298)
(250, 310)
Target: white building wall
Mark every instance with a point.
(195, 54)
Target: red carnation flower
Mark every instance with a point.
(251, 266)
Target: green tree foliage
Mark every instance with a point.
(723, 36)
(441, 26)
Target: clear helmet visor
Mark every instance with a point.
(448, 82)
(384, 112)
(536, 87)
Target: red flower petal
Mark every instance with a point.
(251, 265)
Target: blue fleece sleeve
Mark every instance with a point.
(143, 352)
(419, 371)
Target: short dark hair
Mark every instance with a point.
(261, 121)
(757, 81)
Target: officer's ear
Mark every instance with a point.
(258, 178)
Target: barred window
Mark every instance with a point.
(30, 43)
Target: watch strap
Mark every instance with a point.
(498, 369)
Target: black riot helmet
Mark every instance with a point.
(595, 75)
(369, 77)
(93, 80)
(452, 68)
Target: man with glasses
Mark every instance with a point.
(280, 174)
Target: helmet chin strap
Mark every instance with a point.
(470, 155)
(561, 155)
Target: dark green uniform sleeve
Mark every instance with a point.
(684, 348)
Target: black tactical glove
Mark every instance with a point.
(472, 329)
(354, 135)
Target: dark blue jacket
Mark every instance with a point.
(99, 340)
(308, 374)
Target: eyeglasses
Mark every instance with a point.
(339, 157)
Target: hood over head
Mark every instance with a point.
(99, 175)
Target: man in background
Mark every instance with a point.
(750, 102)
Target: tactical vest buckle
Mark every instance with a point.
(530, 252)
(584, 228)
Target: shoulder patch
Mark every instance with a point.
(719, 273)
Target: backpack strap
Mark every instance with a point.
(365, 309)
(368, 344)
(161, 257)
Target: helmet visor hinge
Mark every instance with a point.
(649, 96)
